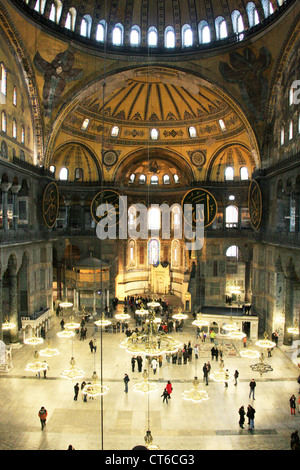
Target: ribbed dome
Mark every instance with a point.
(77, 160)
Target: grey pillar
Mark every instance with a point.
(13, 305)
(289, 309)
(5, 187)
(15, 189)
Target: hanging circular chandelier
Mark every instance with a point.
(122, 316)
(151, 342)
(261, 367)
(65, 304)
(34, 340)
(36, 366)
(72, 373)
(94, 389)
(234, 290)
(102, 322)
(7, 325)
(145, 386)
(153, 304)
(180, 315)
(195, 395)
(294, 330)
(200, 321)
(231, 326)
(49, 352)
(65, 334)
(72, 325)
(221, 375)
(250, 353)
(149, 441)
(142, 311)
(265, 343)
(237, 335)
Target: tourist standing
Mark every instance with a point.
(76, 390)
(252, 386)
(293, 404)
(236, 374)
(242, 417)
(126, 380)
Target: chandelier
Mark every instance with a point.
(36, 366)
(149, 441)
(66, 304)
(195, 395)
(221, 375)
(145, 386)
(65, 334)
(295, 329)
(73, 373)
(122, 316)
(199, 321)
(231, 326)
(142, 311)
(180, 315)
(153, 304)
(237, 335)
(7, 325)
(49, 352)
(72, 325)
(250, 353)
(94, 389)
(34, 340)
(261, 367)
(102, 322)
(265, 343)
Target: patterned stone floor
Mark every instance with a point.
(119, 421)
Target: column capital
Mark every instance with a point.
(5, 185)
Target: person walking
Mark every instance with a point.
(76, 390)
(154, 365)
(196, 351)
(293, 404)
(242, 417)
(43, 413)
(236, 374)
(250, 415)
(169, 388)
(91, 345)
(165, 395)
(95, 345)
(126, 380)
(45, 370)
(205, 373)
(252, 386)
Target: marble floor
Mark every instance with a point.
(119, 420)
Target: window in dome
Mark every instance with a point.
(15, 94)
(52, 168)
(221, 28)
(70, 19)
(154, 179)
(231, 197)
(55, 11)
(192, 132)
(3, 121)
(117, 35)
(176, 179)
(100, 31)
(85, 124)
(153, 251)
(3, 79)
(232, 216)
(14, 128)
(169, 37)
(142, 179)
(39, 6)
(78, 174)
(244, 173)
(23, 135)
(229, 173)
(115, 131)
(152, 36)
(237, 23)
(222, 125)
(291, 95)
(252, 14)
(166, 179)
(291, 129)
(132, 178)
(267, 7)
(204, 32)
(282, 136)
(64, 174)
(187, 36)
(154, 134)
(135, 35)
(232, 251)
(85, 27)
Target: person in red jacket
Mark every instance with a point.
(43, 416)
(169, 388)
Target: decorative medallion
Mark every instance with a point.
(207, 205)
(198, 158)
(110, 158)
(255, 204)
(114, 206)
(50, 204)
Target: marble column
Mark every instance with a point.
(13, 305)
(5, 187)
(15, 188)
(289, 308)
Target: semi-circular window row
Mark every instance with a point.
(205, 33)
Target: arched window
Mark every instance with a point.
(152, 36)
(3, 121)
(229, 173)
(232, 251)
(221, 28)
(252, 14)
(169, 37)
(15, 96)
(55, 11)
(78, 174)
(3, 79)
(39, 6)
(282, 135)
(166, 179)
(85, 27)
(52, 168)
(70, 19)
(176, 179)
(237, 23)
(132, 217)
(101, 31)
(154, 179)
(154, 218)
(115, 131)
(232, 216)
(23, 134)
(187, 35)
(176, 216)
(85, 124)
(117, 35)
(267, 7)
(154, 134)
(14, 128)
(291, 95)
(222, 125)
(153, 251)
(142, 179)
(64, 174)
(204, 32)
(135, 35)
(131, 252)
(291, 129)
(192, 132)
(132, 178)
(244, 173)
